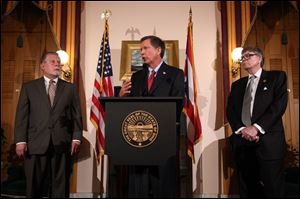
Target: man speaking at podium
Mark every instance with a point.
(156, 79)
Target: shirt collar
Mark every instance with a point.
(257, 74)
(156, 69)
(47, 80)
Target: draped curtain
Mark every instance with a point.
(64, 19)
(236, 17)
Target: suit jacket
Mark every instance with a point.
(169, 81)
(269, 106)
(37, 123)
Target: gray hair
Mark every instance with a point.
(257, 51)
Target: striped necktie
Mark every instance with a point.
(51, 91)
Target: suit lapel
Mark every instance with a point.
(59, 91)
(242, 88)
(262, 84)
(161, 74)
(144, 82)
(43, 91)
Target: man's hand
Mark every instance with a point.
(250, 133)
(75, 147)
(125, 89)
(21, 150)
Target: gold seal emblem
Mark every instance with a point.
(139, 129)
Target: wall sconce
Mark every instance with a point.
(236, 55)
(64, 63)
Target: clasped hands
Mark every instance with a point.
(250, 133)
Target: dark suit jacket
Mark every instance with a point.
(36, 121)
(169, 81)
(269, 105)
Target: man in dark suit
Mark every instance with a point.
(258, 143)
(48, 129)
(168, 80)
(159, 80)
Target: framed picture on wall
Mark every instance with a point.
(131, 60)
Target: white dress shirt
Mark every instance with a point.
(254, 88)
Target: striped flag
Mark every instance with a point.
(102, 87)
(190, 99)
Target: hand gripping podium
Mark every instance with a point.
(141, 130)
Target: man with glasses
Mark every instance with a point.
(255, 108)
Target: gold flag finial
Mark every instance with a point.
(106, 14)
(190, 13)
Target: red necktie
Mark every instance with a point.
(150, 79)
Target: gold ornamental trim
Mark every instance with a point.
(140, 129)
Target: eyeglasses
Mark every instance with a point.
(246, 57)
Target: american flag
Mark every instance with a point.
(102, 87)
(190, 99)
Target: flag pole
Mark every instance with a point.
(102, 66)
(190, 14)
(191, 108)
(104, 15)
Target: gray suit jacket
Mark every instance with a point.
(37, 122)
